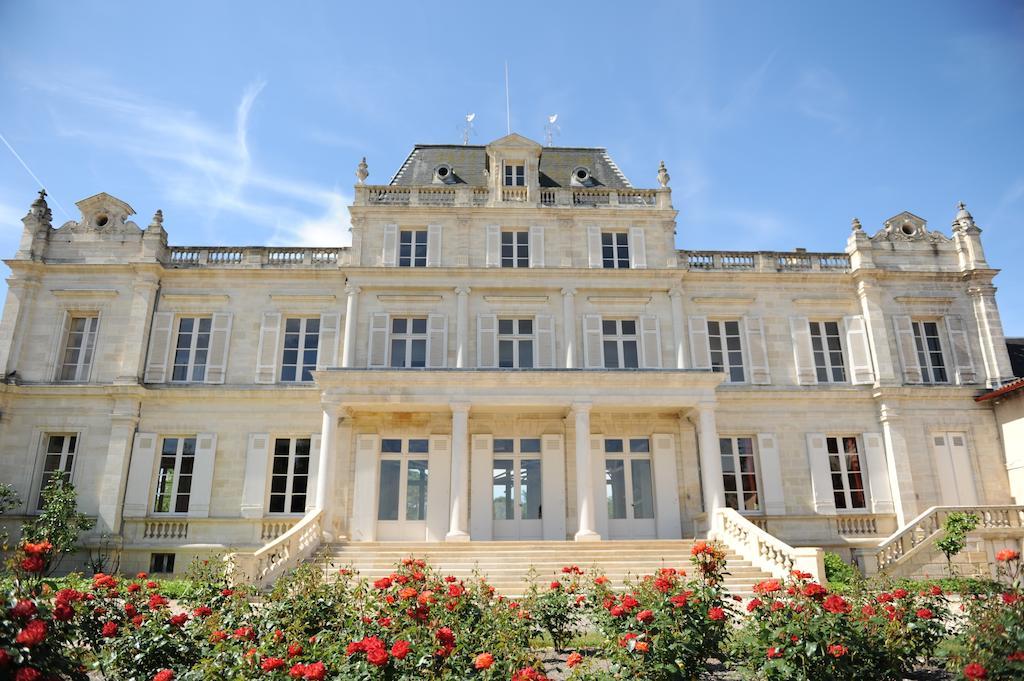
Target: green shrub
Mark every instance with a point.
(838, 571)
(954, 535)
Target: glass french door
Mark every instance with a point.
(402, 492)
(516, 489)
(629, 488)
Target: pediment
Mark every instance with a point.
(514, 141)
(103, 213)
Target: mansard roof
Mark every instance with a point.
(469, 165)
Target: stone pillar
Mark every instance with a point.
(135, 333)
(585, 503)
(461, 326)
(901, 476)
(678, 327)
(20, 294)
(458, 526)
(124, 419)
(990, 333)
(348, 346)
(878, 334)
(710, 463)
(569, 326)
(325, 465)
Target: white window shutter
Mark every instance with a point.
(377, 353)
(666, 486)
(267, 351)
(481, 525)
(857, 350)
(536, 246)
(821, 475)
(878, 474)
(493, 245)
(593, 346)
(772, 492)
(314, 471)
(254, 484)
(61, 345)
(159, 347)
(220, 342)
(700, 350)
(637, 248)
(650, 341)
(327, 348)
(552, 472)
(365, 488)
(594, 246)
(433, 245)
(908, 348)
(960, 345)
(389, 258)
(967, 493)
(803, 352)
(486, 341)
(437, 341)
(439, 458)
(140, 475)
(757, 351)
(544, 326)
(202, 476)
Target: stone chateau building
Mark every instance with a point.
(513, 348)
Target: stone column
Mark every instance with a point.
(585, 502)
(678, 327)
(325, 465)
(569, 326)
(710, 463)
(123, 421)
(901, 476)
(348, 347)
(461, 326)
(458, 526)
(990, 333)
(20, 294)
(136, 331)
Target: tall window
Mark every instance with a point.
(79, 346)
(619, 339)
(739, 473)
(191, 349)
(828, 352)
(844, 464)
(929, 352)
(408, 342)
(515, 343)
(726, 349)
(515, 174)
(628, 485)
(516, 485)
(289, 478)
(403, 479)
(515, 249)
(301, 340)
(58, 461)
(174, 479)
(615, 250)
(412, 248)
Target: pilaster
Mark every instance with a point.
(461, 326)
(675, 295)
(458, 527)
(901, 474)
(348, 346)
(124, 419)
(870, 295)
(21, 292)
(136, 332)
(569, 326)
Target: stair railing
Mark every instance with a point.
(279, 555)
(766, 551)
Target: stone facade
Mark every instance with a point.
(621, 377)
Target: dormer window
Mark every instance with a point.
(581, 177)
(444, 174)
(515, 174)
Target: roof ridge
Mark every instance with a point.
(615, 169)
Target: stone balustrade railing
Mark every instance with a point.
(465, 196)
(280, 555)
(765, 261)
(253, 256)
(765, 551)
(211, 531)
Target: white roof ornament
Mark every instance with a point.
(158, 220)
(551, 128)
(663, 176)
(467, 129)
(855, 225)
(362, 171)
(963, 219)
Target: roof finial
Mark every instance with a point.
(855, 225)
(158, 219)
(663, 176)
(963, 219)
(40, 209)
(362, 171)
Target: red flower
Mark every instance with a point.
(163, 675)
(37, 549)
(33, 634)
(218, 636)
(836, 650)
(132, 588)
(23, 609)
(378, 657)
(110, 630)
(152, 585)
(617, 611)
(884, 597)
(753, 605)
(227, 592)
(1017, 656)
(644, 616)
(63, 612)
(528, 674)
(555, 585)
(925, 613)
(272, 663)
(382, 583)
(297, 670)
(179, 619)
(836, 604)
(774, 652)
(900, 593)
(400, 649)
(1007, 555)
(28, 674)
(203, 611)
(716, 614)
(814, 590)
(800, 574)
(141, 575)
(573, 660)
(294, 650)
(445, 636)
(33, 564)
(867, 611)
(601, 580)
(483, 661)
(138, 620)
(768, 586)
(156, 601)
(975, 671)
(315, 672)
(1009, 599)
(679, 600)
(936, 590)
(245, 633)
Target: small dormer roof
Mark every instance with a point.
(514, 141)
(104, 202)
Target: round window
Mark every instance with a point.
(101, 221)
(581, 174)
(908, 229)
(443, 171)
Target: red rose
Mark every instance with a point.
(975, 671)
(400, 649)
(936, 590)
(23, 609)
(163, 675)
(315, 672)
(753, 605)
(227, 592)
(202, 611)
(601, 580)
(1007, 555)
(218, 636)
(483, 661)
(297, 670)
(1016, 656)
(28, 674)
(900, 593)
(925, 613)
(63, 612)
(294, 650)
(836, 604)
(110, 630)
(1009, 599)
(32, 564)
(272, 663)
(617, 611)
(814, 590)
(836, 650)
(156, 601)
(245, 633)
(445, 636)
(773, 653)
(378, 657)
(33, 634)
(138, 620)
(382, 583)
(867, 611)
(716, 614)
(679, 600)
(152, 585)
(179, 619)
(555, 585)
(799, 574)
(141, 575)
(644, 616)
(37, 549)
(573, 660)
(133, 588)
(768, 586)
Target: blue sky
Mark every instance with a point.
(779, 122)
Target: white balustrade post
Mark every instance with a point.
(461, 326)
(678, 328)
(585, 502)
(458, 526)
(348, 346)
(328, 451)
(569, 326)
(710, 464)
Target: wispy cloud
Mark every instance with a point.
(821, 95)
(198, 165)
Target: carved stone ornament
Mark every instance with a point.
(102, 213)
(362, 171)
(663, 176)
(908, 227)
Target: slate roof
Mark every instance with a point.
(1015, 346)
(468, 163)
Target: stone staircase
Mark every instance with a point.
(506, 564)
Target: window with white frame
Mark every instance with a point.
(412, 248)
(515, 343)
(174, 477)
(726, 347)
(79, 348)
(515, 249)
(739, 473)
(828, 352)
(191, 349)
(629, 487)
(402, 492)
(301, 341)
(515, 174)
(847, 471)
(929, 352)
(58, 461)
(615, 250)
(408, 342)
(289, 477)
(618, 337)
(516, 479)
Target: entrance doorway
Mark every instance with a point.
(629, 488)
(953, 465)
(516, 489)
